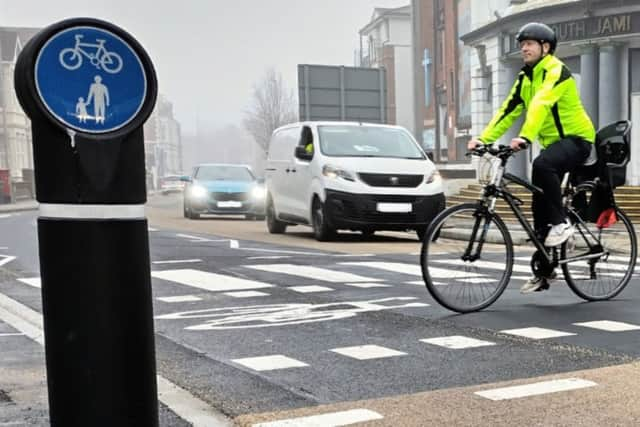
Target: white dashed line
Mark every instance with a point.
(535, 389)
(310, 289)
(246, 294)
(333, 419)
(457, 342)
(609, 326)
(366, 352)
(270, 363)
(208, 281)
(536, 333)
(184, 298)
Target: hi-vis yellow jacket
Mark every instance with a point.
(549, 94)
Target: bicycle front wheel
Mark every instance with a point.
(600, 277)
(466, 258)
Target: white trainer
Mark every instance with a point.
(558, 234)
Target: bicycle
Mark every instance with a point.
(467, 255)
(71, 57)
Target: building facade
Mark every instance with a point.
(163, 143)
(385, 42)
(16, 153)
(442, 75)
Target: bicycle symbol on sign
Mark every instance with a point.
(71, 57)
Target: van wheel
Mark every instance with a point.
(273, 225)
(321, 229)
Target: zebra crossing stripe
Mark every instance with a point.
(609, 326)
(333, 419)
(208, 281)
(535, 389)
(32, 281)
(411, 269)
(311, 272)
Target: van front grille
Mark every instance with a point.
(391, 180)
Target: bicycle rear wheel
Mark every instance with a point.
(466, 258)
(605, 276)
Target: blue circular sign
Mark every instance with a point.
(90, 79)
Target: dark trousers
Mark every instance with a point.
(548, 170)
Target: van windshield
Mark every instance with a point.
(223, 173)
(367, 141)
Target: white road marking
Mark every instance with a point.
(312, 273)
(198, 239)
(233, 244)
(6, 259)
(270, 363)
(410, 269)
(367, 285)
(208, 281)
(246, 294)
(182, 298)
(309, 289)
(517, 268)
(178, 261)
(366, 352)
(270, 315)
(280, 251)
(609, 325)
(36, 282)
(396, 267)
(189, 407)
(152, 229)
(183, 403)
(333, 419)
(536, 333)
(19, 334)
(457, 342)
(2, 216)
(535, 389)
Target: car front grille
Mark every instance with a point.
(391, 180)
(236, 197)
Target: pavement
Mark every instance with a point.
(23, 205)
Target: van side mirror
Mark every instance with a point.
(302, 154)
(186, 178)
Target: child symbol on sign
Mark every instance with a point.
(81, 110)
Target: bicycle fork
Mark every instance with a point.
(470, 254)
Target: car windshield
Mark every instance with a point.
(224, 173)
(367, 141)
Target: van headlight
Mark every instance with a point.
(198, 192)
(258, 193)
(336, 172)
(433, 177)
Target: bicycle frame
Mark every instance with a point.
(496, 189)
(99, 47)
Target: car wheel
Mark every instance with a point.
(273, 225)
(321, 229)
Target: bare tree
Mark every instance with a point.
(272, 106)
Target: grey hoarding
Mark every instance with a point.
(342, 93)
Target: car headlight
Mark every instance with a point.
(433, 177)
(198, 192)
(335, 172)
(258, 193)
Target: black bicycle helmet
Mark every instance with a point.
(539, 32)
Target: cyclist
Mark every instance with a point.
(556, 118)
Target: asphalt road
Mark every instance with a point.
(271, 327)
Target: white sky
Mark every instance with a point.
(209, 53)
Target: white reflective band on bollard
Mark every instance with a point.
(50, 210)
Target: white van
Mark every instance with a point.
(355, 176)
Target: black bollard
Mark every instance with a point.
(88, 87)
